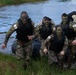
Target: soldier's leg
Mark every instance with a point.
(73, 62)
(70, 58)
(60, 60)
(19, 51)
(66, 58)
(73, 51)
(41, 51)
(28, 51)
(52, 57)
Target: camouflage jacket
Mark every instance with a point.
(13, 29)
(47, 42)
(38, 28)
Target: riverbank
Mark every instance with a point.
(12, 2)
(9, 65)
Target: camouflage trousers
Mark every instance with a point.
(54, 57)
(62, 60)
(72, 48)
(24, 50)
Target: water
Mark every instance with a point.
(51, 8)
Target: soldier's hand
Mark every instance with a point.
(3, 46)
(62, 53)
(74, 42)
(45, 51)
(30, 37)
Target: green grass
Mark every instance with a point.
(9, 65)
(10, 2)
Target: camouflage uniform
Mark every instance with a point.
(72, 26)
(24, 49)
(69, 29)
(37, 34)
(53, 52)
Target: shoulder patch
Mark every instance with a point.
(15, 26)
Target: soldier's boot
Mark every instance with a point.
(27, 62)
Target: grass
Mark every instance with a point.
(9, 65)
(10, 2)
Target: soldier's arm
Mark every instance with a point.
(65, 45)
(45, 45)
(8, 34)
(47, 41)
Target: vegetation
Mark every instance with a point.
(9, 2)
(63, 0)
(9, 65)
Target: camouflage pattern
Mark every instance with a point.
(52, 55)
(72, 48)
(13, 29)
(37, 34)
(38, 27)
(23, 49)
(73, 26)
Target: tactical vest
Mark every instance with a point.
(45, 32)
(24, 30)
(56, 45)
(69, 32)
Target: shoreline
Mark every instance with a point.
(16, 2)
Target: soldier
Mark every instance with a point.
(44, 29)
(65, 20)
(24, 28)
(72, 38)
(70, 32)
(56, 45)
